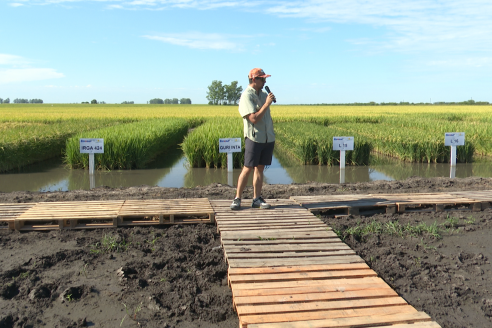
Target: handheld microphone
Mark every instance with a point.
(268, 90)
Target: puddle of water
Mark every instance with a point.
(171, 170)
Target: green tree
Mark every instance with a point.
(233, 92)
(185, 101)
(93, 101)
(168, 101)
(216, 92)
(175, 101)
(6, 101)
(156, 101)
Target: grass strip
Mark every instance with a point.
(129, 146)
(312, 143)
(24, 143)
(201, 146)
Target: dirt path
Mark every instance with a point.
(176, 277)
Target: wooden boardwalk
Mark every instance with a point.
(339, 205)
(288, 269)
(105, 214)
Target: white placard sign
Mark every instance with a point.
(454, 139)
(343, 143)
(229, 145)
(91, 146)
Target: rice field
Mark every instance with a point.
(128, 146)
(35, 132)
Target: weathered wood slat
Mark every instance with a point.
(377, 318)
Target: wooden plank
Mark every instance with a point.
(335, 283)
(308, 290)
(242, 263)
(315, 297)
(298, 268)
(298, 276)
(271, 236)
(341, 322)
(327, 240)
(300, 227)
(286, 233)
(288, 255)
(318, 306)
(428, 324)
(287, 248)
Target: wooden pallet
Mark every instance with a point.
(75, 215)
(340, 205)
(166, 211)
(288, 269)
(483, 196)
(286, 234)
(317, 296)
(8, 213)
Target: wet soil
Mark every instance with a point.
(175, 276)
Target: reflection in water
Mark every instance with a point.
(171, 170)
(274, 174)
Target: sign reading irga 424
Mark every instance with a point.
(91, 146)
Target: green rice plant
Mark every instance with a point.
(24, 143)
(312, 143)
(128, 146)
(201, 146)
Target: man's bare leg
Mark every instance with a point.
(243, 180)
(258, 181)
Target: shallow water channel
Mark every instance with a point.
(172, 170)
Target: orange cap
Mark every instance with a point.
(257, 72)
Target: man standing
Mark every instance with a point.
(259, 138)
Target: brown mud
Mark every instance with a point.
(175, 276)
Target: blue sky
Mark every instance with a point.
(68, 51)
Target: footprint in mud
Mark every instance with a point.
(8, 291)
(43, 291)
(74, 293)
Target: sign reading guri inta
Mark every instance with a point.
(229, 145)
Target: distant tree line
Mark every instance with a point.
(21, 101)
(403, 103)
(94, 102)
(127, 103)
(219, 94)
(174, 101)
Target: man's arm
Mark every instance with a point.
(256, 117)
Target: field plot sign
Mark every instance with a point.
(454, 139)
(229, 146)
(342, 144)
(91, 147)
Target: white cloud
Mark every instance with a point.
(6, 59)
(18, 69)
(28, 74)
(417, 25)
(16, 4)
(199, 40)
(407, 26)
(463, 63)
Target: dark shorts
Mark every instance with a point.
(257, 153)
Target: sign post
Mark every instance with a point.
(454, 139)
(91, 146)
(229, 146)
(343, 144)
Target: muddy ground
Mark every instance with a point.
(176, 277)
